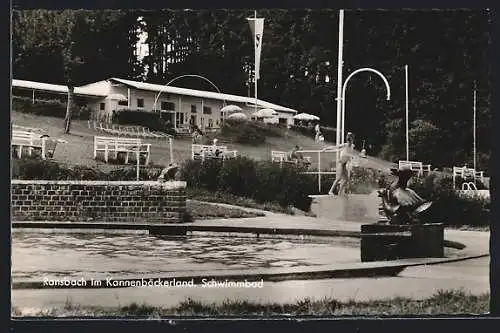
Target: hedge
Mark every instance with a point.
(264, 181)
(151, 120)
(50, 108)
(449, 207)
(36, 169)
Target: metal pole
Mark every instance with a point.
(171, 150)
(339, 85)
(255, 65)
(344, 88)
(138, 162)
(474, 132)
(407, 137)
(319, 172)
(342, 128)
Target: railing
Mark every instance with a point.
(416, 166)
(470, 186)
(319, 172)
(465, 173)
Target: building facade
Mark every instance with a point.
(180, 106)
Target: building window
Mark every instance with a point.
(193, 108)
(123, 103)
(140, 102)
(168, 106)
(207, 110)
(210, 122)
(102, 106)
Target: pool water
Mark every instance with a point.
(38, 255)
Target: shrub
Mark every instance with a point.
(328, 132)
(238, 176)
(151, 120)
(37, 169)
(449, 207)
(30, 168)
(50, 108)
(244, 132)
(261, 181)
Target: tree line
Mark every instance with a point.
(447, 53)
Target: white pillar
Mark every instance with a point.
(339, 85)
(474, 124)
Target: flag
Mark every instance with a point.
(257, 27)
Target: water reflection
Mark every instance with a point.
(36, 255)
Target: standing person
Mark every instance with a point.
(341, 184)
(318, 132)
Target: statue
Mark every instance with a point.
(169, 173)
(341, 184)
(400, 203)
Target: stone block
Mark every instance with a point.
(380, 242)
(356, 207)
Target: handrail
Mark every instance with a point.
(470, 186)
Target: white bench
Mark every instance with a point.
(121, 145)
(30, 140)
(280, 157)
(416, 166)
(209, 151)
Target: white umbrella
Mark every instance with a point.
(231, 108)
(117, 97)
(305, 116)
(238, 115)
(265, 113)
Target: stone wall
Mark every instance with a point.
(103, 201)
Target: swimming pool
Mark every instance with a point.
(38, 255)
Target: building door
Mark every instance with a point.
(179, 119)
(193, 120)
(167, 117)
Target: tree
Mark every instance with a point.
(50, 30)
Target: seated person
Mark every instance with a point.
(294, 155)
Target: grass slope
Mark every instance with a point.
(79, 149)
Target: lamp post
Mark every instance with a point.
(180, 77)
(344, 88)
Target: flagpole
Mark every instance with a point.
(407, 138)
(474, 130)
(255, 64)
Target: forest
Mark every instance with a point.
(447, 53)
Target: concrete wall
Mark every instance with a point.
(103, 201)
(356, 207)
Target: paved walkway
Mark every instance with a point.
(280, 221)
(416, 282)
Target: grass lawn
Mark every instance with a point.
(443, 302)
(203, 211)
(79, 149)
(227, 198)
